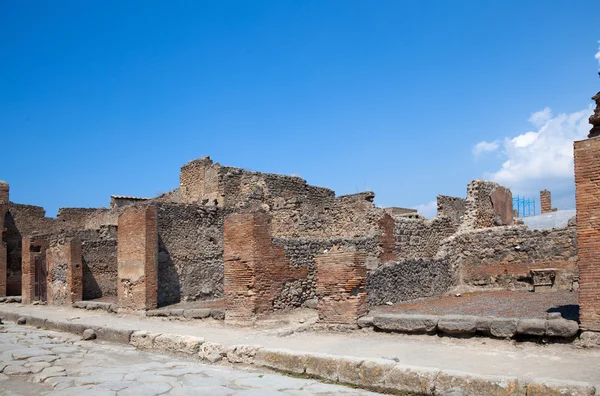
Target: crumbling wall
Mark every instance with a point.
(255, 269)
(4, 195)
(99, 256)
(502, 257)
(64, 278)
(21, 221)
(408, 280)
(302, 253)
(421, 238)
(488, 204)
(190, 257)
(80, 218)
(452, 207)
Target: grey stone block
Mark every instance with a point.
(89, 334)
(217, 313)
(158, 313)
(562, 328)
(553, 315)
(532, 326)
(406, 323)
(281, 360)
(457, 324)
(484, 324)
(365, 321)
(312, 303)
(200, 313)
(121, 336)
(79, 304)
(504, 327)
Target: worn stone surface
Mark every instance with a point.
(104, 369)
(504, 327)
(458, 324)
(406, 323)
(532, 326)
(88, 334)
(562, 328)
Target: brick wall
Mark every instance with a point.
(32, 249)
(452, 207)
(341, 287)
(4, 189)
(137, 252)
(255, 269)
(587, 194)
(64, 282)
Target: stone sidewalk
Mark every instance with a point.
(376, 361)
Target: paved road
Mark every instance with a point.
(38, 362)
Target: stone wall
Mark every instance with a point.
(21, 221)
(64, 279)
(302, 253)
(452, 207)
(488, 204)
(502, 257)
(255, 270)
(99, 259)
(81, 218)
(587, 195)
(190, 258)
(421, 238)
(408, 280)
(4, 196)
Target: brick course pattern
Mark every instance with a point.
(255, 268)
(65, 271)
(341, 287)
(546, 202)
(32, 249)
(587, 195)
(137, 251)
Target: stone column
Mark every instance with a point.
(341, 287)
(137, 255)
(587, 194)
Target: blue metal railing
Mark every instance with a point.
(524, 206)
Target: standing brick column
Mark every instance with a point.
(3, 253)
(341, 282)
(32, 250)
(137, 255)
(65, 272)
(255, 269)
(587, 194)
(546, 201)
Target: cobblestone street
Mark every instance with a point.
(39, 362)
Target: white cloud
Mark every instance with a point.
(428, 210)
(539, 118)
(598, 55)
(485, 147)
(541, 159)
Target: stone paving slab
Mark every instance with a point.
(120, 370)
(391, 360)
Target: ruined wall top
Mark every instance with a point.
(488, 204)
(4, 189)
(595, 118)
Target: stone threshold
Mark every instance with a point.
(374, 374)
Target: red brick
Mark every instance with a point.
(137, 256)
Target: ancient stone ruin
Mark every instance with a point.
(250, 244)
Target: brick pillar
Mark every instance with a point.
(587, 194)
(255, 269)
(32, 249)
(65, 272)
(137, 255)
(546, 201)
(3, 253)
(341, 282)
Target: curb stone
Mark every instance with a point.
(373, 374)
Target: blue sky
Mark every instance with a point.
(409, 99)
